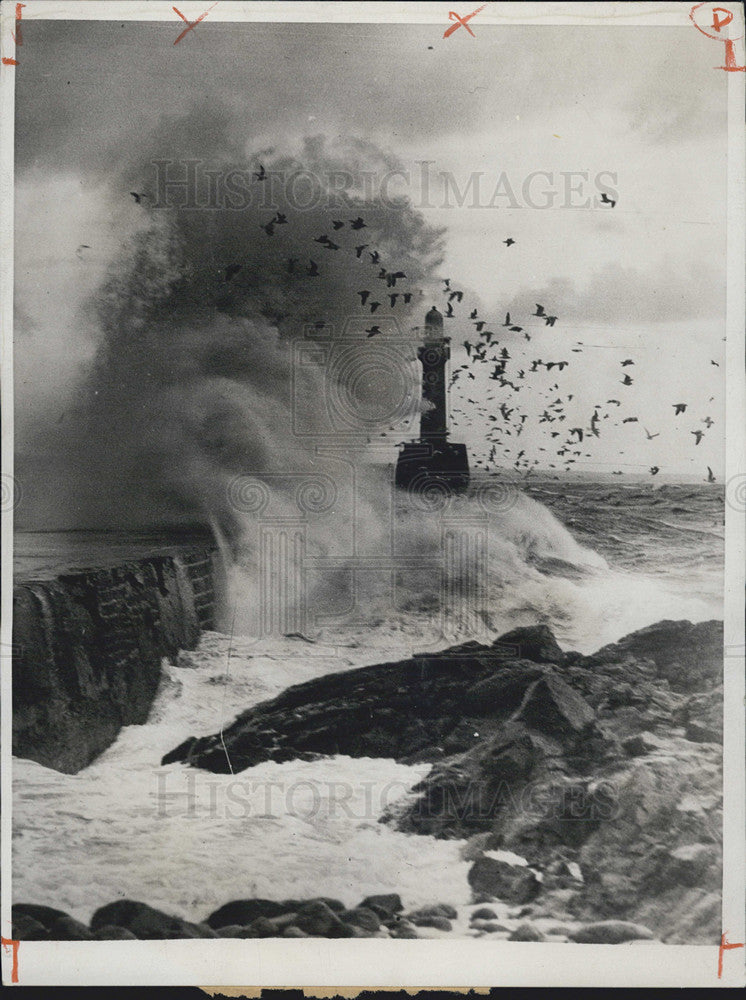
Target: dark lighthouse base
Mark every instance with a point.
(443, 464)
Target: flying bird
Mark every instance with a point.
(374, 306)
(261, 173)
(698, 435)
(649, 435)
(654, 470)
(627, 362)
(550, 320)
(509, 242)
(139, 196)
(508, 321)
(710, 476)
(364, 295)
(373, 331)
(280, 219)
(449, 310)
(708, 422)
(627, 380)
(607, 200)
(337, 223)
(539, 310)
(679, 408)
(359, 250)
(269, 228)
(357, 223)
(313, 269)
(375, 256)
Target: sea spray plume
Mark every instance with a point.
(192, 378)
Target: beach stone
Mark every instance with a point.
(435, 910)
(68, 929)
(526, 932)
(532, 642)
(147, 923)
(438, 923)
(490, 926)
(318, 920)
(231, 931)
(510, 883)
(291, 931)
(404, 930)
(484, 913)
(110, 932)
(610, 932)
(25, 928)
(361, 917)
(389, 903)
(244, 911)
(45, 915)
(262, 927)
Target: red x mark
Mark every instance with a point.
(453, 16)
(725, 945)
(191, 24)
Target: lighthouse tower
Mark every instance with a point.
(433, 459)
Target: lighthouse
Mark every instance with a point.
(433, 460)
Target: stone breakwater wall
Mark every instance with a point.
(88, 646)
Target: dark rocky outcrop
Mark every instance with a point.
(88, 647)
(147, 923)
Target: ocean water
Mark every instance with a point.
(592, 560)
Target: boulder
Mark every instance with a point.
(610, 932)
(243, 911)
(291, 931)
(389, 903)
(436, 922)
(45, 915)
(25, 928)
(551, 706)
(110, 932)
(489, 926)
(526, 932)
(484, 913)
(147, 923)
(68, 929)
(533, 642)
(319, 920)
(361, 917)
(435, 910)
(502, 693)
(262, 927)
(510, 883)
(689, 657)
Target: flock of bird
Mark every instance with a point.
(502, 419)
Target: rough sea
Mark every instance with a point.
(592, 560)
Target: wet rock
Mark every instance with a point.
(687, 864)
(361, 917)
(511, 883)
(699, 732)
(533, 642)
(405, 929)
(231, 931)
(490, 926)
(68, 929)
(244, 911)
(484, 913)
(610, 932)
(147, 923)
(262, 927)
(689, 657)
(526, 932)
(642, 743)
(436, 922)
(291, 931)
(435, 910)
(552, 706)
(502, 693)
(45, 915)
(318, 920)
(388, 903)
(110, 932)
(25, 928)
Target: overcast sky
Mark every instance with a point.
(642, 106)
